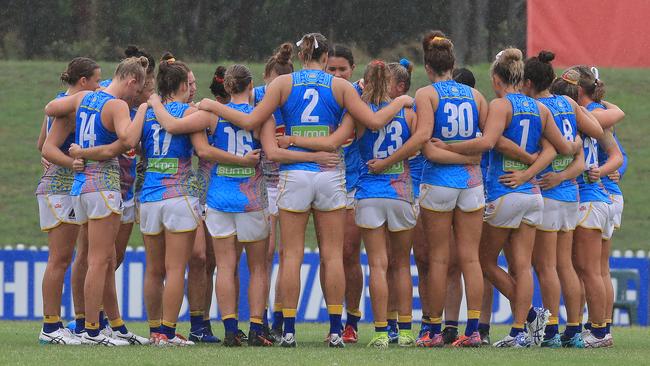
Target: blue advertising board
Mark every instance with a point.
(21, 274)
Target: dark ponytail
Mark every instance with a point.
(216, 85)
(539, 70)
(78, 68)
(171, 74)
(134, 51)
(438, 52)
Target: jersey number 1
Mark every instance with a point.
(87, 129)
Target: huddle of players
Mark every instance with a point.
(399, 173)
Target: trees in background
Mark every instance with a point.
(250, 29)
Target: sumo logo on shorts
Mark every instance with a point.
(163, 165)
(235, 171)
(310, 131)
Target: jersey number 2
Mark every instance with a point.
(306, 116)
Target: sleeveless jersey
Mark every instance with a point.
(105, 83)
(311, 110)
(90, 132)
(270, 168)
(455, 120)
(351, 155)
(525, 129)
(234, 188)
(128, 164)
(169, 159)
(565, 119)
(609, 184)
(56, 179)
(203, 172)
(395, 182)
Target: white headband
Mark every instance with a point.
(498, 55)
(594, 70)
(303, 38)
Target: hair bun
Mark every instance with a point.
(65, 77)
(511, 55)
(166, 56)
(284, 53)
(132, 51)
(143, 61)
(437, 40)
(546, 56)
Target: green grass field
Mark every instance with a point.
(19, 346)
(29, 85)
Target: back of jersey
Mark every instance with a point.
(611, 186)
(455, 120)
(591, 191)
(270, 168)
(235, 188)
(565, 119)
(57, 179)
(311, 110)
(525, 129)
(394, 182)
(169, 159)
(90, 132)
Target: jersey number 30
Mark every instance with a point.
(460, 120)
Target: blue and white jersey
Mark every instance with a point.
(565, 120)
(591, 191)
(90, 132)
(271, 169)
(105, 83)
(395, 182)
(455, 120)
(128, 169)
(169, 159)
(311, 110)
(56, 179)
(525, 129)
(416, 163)
(235, 188)
(609, 184)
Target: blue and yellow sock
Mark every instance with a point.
(436, 325)
(168, 329)
(154, 326)
(230, 323)
(265, 317)
(92, 329)
(335, 313)
(118, 325)
(484, 327)
(551, 328)
(426, 323)
(79, 323)
(392, 320)
(451, 323)
(289, 320)
(531, 315)
(608, 325)
(571, 329)
(257, 324)
(354, 315)
(278, 319)
(516, 329)
(472, 322)
(103, 322)
(599, 330)
(196, 320)
(404, 322)
(381, 327)
(51, 323)
(206, 323)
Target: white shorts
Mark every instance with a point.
(128, 212)
(349, 199)
(595, 215)
(177, 215)
(445, 199)
(371, 213)
(559, 215)
(617, 210)
(510, 210)
(55, 209)
(300, 190)
(272, 194)
(248, 226)
(96, 205)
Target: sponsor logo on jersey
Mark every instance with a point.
(561, 162)
(163, 165)
(310, 131)
(235, 171)
(511, 165)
